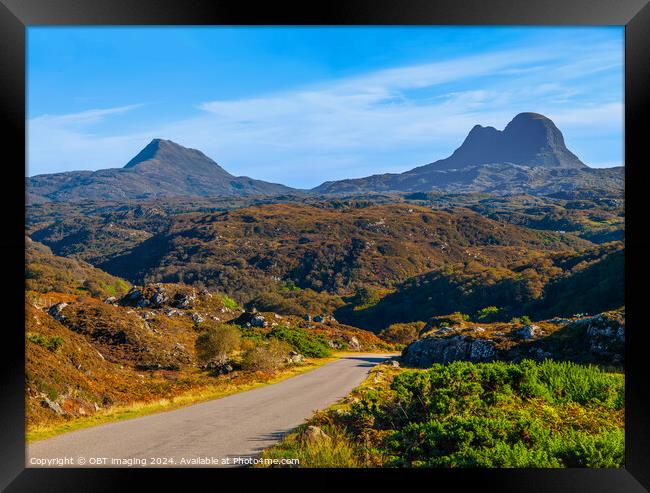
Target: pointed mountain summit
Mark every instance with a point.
(161, 169)
(528, 156)
(165, 153)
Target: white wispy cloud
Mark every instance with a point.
(67, 142)
(82, 117)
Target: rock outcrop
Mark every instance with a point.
(353, 342)
(586, 339)
(314, 435)
(606, 335)
(429, 350)
(529, 332)
(295, 357)
(56, 311)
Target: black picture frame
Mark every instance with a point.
(16, 15)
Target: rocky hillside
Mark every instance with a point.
(528, 156)
(597, 339)
(86, 354)
(162, 169)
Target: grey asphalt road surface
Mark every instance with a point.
(222, 432)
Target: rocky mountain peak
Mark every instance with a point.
(532, 133)
(166, 153)
(530, 139)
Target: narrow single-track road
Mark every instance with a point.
(209, 433)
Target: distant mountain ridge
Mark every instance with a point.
(528, 156)
(161, 169)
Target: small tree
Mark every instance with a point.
(213, 345)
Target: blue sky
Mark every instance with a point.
(302, 105)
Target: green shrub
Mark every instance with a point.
(569, 382)
(52, 393)
(461, 316)
(577, 449)
(303, 342)
(289, 286)
(487, 314)
(51, 343)
(268, 357)
(109, 288)
(527, 414)
(214, 344)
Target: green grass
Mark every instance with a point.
(302, 341)
(109, 288)
(338, 452)
(228, 302)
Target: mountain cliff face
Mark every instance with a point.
(529, 139)
(162, 169)
(528, 156)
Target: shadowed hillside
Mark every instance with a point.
(556, 285)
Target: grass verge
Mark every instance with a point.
(194, 396)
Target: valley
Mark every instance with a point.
(171, 282)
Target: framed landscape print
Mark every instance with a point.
(379, 240)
